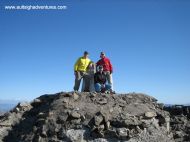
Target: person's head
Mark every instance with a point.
(100, 68)
(86, 54)
(102, 55)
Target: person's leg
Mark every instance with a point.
(97, 87)
(78, 78)
(108, 87)
(83, 82)
(86, 80)
(109, 79)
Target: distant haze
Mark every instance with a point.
(6, 105)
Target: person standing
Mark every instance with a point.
(80, 71)
(107, 68)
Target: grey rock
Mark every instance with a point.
(101, 128)
(132, 121)
(36, 102)
(123, 133)
(24, 104)
(150, 114)
(66, 100)
(75, 114)
(107, 125)
(102, 101)
(98, 119)
(75, 96)
(40, 122)
(75, 135)
(62, 118)
(76, 121)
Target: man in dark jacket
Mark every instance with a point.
(107, 68)
(100, 81)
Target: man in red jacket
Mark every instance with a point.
(108, 69)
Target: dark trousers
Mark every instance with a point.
(78, 77)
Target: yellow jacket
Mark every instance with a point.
(82, 64)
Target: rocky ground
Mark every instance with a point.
(1, 112)
(180, 122)
(91, 117)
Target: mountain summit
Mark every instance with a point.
(87, 117)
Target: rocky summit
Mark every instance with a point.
(88, 117)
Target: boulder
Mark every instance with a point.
(123, 133)
(75, 114)
(75, 96)
(98, 119)
(150, 114)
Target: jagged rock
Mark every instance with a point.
(179, 134)
(41, 115)
(83, 117)
(98, 119)
(40, 122)
(75, 121)
(5, 124)
(23, 106)
(65, 100)
(150, 114)
(75, 135)
(101, 128)
(75, 114)
(67, 94)
(123, 133)
(111, 134)
(146, 123)
(36, 102)
(107, 125)
(16, 109)
(102, 101)
(179, 122)
(62, 118)
(92, 94)
(160, 105)
(132, 121)
(44, 134)
(75, 96)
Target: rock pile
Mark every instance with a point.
(87, 117)
(180, 122)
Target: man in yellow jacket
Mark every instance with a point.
(80, 71)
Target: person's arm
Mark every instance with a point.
(76, 65)
(90, 65)
(110, 66)
(97, 64)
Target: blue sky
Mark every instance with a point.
(147, 41)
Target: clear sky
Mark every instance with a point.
(147, 41)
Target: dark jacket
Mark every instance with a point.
(100, 78)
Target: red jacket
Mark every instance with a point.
(105, 62)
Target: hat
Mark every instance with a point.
(102, 53)
(86, 53)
